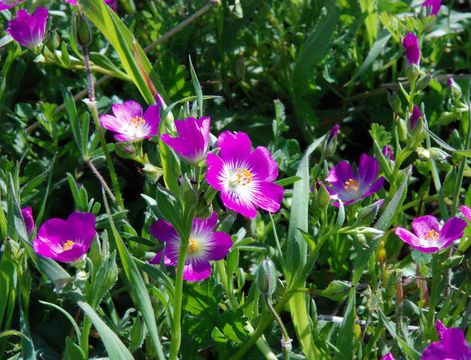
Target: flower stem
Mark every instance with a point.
(177, 303)
(87, 325)
(94, 110)
(286, 342)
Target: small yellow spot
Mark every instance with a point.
(192, 246)
(351, 184)
(137, 121)
(432, 235)
(68, 245)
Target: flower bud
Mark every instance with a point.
(367, 214)
(53, 40)
(395, 102)
(152, 173)
(453, 89)
(423, 81)
(411, 45)
(432, 153)
(331, 144)
(321, 195)
(414, 123)
(387, 152)
(83, 33)
(266, 277)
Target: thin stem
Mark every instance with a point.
(177, 303)
(101, 180)
(87, 325)
(94, 110)
(286, 342)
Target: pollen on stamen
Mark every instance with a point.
(68, 245)
(192, 246)
(351, 183)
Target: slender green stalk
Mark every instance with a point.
(87, 325)
(436, 274)
(177, 303)
(234, 304)
(94, 110)
(286, 342)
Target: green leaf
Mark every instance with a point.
(73, 351)
(109, 23)
(197, 87)
(337, 290)
(114, 347)
(78, 333)
(346, 336)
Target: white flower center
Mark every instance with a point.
(137, 127)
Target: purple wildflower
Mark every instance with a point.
(204, 245)
(8, 4)
(387, 152)
(192, 142)
(28, 219)
(452, 345)
(416, 115)
(66, 240)
(244, 177)
(428, 236)
(411, 44)
(28, 30)
(432, 6)
(388, 356)
(350, 188)
(129, 123)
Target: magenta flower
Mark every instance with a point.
(8, 4)
(432, 6)
(27, 213)
(387, 152)
(129, 123)
(204, 245)
(411, 44)
(452, 345)
(428, 236)
(28, 30)
(388, 356)
(66, 240)
(111, 3)
(244, 177)
(351, 188)
(193, 139)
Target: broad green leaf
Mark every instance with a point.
(114, 347)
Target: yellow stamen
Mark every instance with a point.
(432, 235)
(137, 121)
(68, 245)
(192, 246)
(352, 183)
(244, 176)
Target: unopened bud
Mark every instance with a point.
(321, 195)
(454, 90)
(152, 172)
(367, 214)
(422, 82)
(414, 123)
(53, 40)
(83, 33)
(266, 277)
(331, 145)
(438, 154)
(395, 102)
